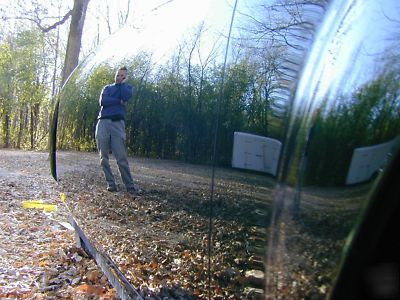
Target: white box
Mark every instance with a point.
(254, 152)
(367, 160)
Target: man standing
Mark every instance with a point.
(110, 130)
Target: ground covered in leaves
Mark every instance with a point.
(159, 239)
(38, 256)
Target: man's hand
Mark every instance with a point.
(125, 79)
(121, 76)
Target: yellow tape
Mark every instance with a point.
(63, 197)
(34, 201)
(39, 205)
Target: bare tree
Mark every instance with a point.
(204, 61)
(74, 38)
(39, 15)
(124, 15)
(36, 13)
(285, 22)
(109, 16)
(283, 30)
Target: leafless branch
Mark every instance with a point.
(38, 22)
(127, 11)
(162, 4)
(62, 21)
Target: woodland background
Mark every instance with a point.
(177, 104)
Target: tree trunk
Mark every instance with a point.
(7, 131)
(54, 87)
(32, 128)
(34, 121)
(74, 38)
(21, 128)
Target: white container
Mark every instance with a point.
(368, 160)
(254, 152)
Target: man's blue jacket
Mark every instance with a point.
(110, 101)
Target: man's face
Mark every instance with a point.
(120, 76)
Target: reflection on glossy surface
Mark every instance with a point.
(343, 129)
(343, 124)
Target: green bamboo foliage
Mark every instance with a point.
(368, 117)
(24, 103)
(172, 117)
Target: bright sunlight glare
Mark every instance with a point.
(159, 26)
(327, 69)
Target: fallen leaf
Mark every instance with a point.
(90, 290)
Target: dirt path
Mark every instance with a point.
(159, 240)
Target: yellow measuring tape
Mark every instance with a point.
(39, 204)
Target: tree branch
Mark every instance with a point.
(162, 4)
(38, 21)
(62, 21)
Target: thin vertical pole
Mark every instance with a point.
(214, 161)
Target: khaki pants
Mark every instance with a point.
(110, 135)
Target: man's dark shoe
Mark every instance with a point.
(112, 189)
(133, 191)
